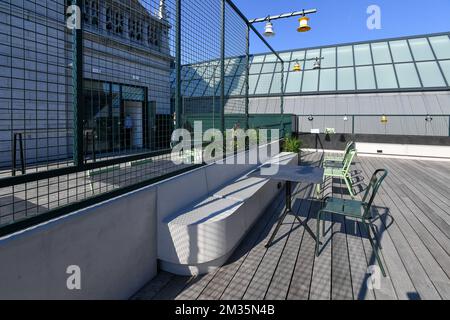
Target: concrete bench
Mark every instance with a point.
(204, 214)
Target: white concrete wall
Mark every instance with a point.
(409, 150)
(114, 244)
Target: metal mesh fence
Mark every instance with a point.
(91, 91)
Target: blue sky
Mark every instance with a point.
(345, 21)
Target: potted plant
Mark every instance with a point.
(292, 144)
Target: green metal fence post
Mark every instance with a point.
(77, 79)
(178, 102)
(247, 76)
(222, 70)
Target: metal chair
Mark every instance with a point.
(360, 210)
(350, 146)
(342, 171)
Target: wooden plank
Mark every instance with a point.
(281, 280)
(173, 288)
(358, 262)
(341, 278)
(422, 283)
(425, 247)
(151, 289)
(301, 279)
(243, 277)
(394, 265)
(220, 281)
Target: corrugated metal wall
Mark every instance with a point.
(407, 104)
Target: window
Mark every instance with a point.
(135, 29)
(421, 49)
(400, 51)
(430, 74)
(362, 55)
(327, 80)
(329, 58)
(264, 83)
(441, 46)
(346, 79)
(153, 34)
(365, 79)
(90, 12)
(114, 20)
(268, 67)
(276, 82)
(386, 77)
(380, 52)
(294, 82)
(445, 65)
(407, 75)
(345, 56)
(310, 81)
(252, 81)
(311, 55)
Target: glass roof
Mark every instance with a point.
(413, 63)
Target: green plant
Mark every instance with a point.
(292, 144)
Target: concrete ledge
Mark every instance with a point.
(203, 234)
(113, 243)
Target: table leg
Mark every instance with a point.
(285, 213)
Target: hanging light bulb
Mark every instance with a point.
(316, 65)
(304, 24)
(384, 119)
(297, 67)
(345, 118)
(268, 32)
(429, 118)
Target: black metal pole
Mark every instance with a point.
(77, 78)
(222, 71)
(178, 102)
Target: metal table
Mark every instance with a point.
(289, 174)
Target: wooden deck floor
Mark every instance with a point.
(414, 204)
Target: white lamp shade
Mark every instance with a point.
(268, 32)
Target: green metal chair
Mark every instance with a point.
(361, 210)
(342, 171)
(350, 146)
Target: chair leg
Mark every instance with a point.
(375, 251)
(349, 187)
(319, 214)
(375, 233)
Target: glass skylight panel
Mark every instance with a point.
(271, 58)
(264, 83)
(380, 52)
(310, 81)
(255, 68)
(386, 77)
(311, 54)
(276, 83)
(327, 80)
(298, 55)
(345, 56)
(257, 59)
(365, 79)
(400, 51)
(329, 58)
(362, 54)
(421, 49)
(430, 74)
(441, 46)
(268, 67)
(346, 79)
(252, 81)
(445, 65)
(407, 76)
(294, 82)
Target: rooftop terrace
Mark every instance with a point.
(414, 204)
